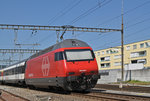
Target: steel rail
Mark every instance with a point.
(11, 94)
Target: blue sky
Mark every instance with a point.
(91, 13)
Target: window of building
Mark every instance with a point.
(108, 51)
(114, 50)
(147, 44)
(134, 46)
(117, 56)
(98, 53)
(138, 54)
(138, 61)
(105, 65)
(133, 61)
(102, 52)
(105, 58)
(142, 53)
(117, 64)
(102, 59)
(128, 48)
(102, 65)
(142, 61)
(142, 45)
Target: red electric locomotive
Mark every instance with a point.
(70, 64)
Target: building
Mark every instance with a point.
(134, 53)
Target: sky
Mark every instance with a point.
(78, 13)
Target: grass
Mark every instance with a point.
(138, 82)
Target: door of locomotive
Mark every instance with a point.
(58, 63)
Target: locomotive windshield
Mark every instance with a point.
(79, 55)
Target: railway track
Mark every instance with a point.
(103, 96)
(92, 97)
(7, 96)
(39, 95)
(128, 88)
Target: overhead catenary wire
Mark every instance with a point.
(126, 12)
(54, 17)
(133, 19)
(64, 12)
(89, 11)
(132, 25)
(127, 36)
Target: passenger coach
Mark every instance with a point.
(14, 73)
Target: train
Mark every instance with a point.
(69, 64)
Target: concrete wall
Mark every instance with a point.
(110, 76)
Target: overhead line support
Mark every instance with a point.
(19, 51)
(55, 28)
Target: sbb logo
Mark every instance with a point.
(45, 66)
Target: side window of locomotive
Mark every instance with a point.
(93, 54)
(59, 56)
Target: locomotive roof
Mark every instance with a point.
(64, 44)
(70, 43)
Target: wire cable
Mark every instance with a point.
(63, 12)
(126, 37)
(89, 11)
(139, 6)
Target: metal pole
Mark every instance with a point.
(122, 51)
(57, 33)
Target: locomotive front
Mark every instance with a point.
(81, 67)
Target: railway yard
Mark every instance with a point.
(102, 92)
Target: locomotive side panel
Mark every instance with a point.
(39, 69)
(45, 70)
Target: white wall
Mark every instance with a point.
(115, 75)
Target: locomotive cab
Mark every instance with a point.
(82, 70)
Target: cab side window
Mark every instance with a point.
(59, 56)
